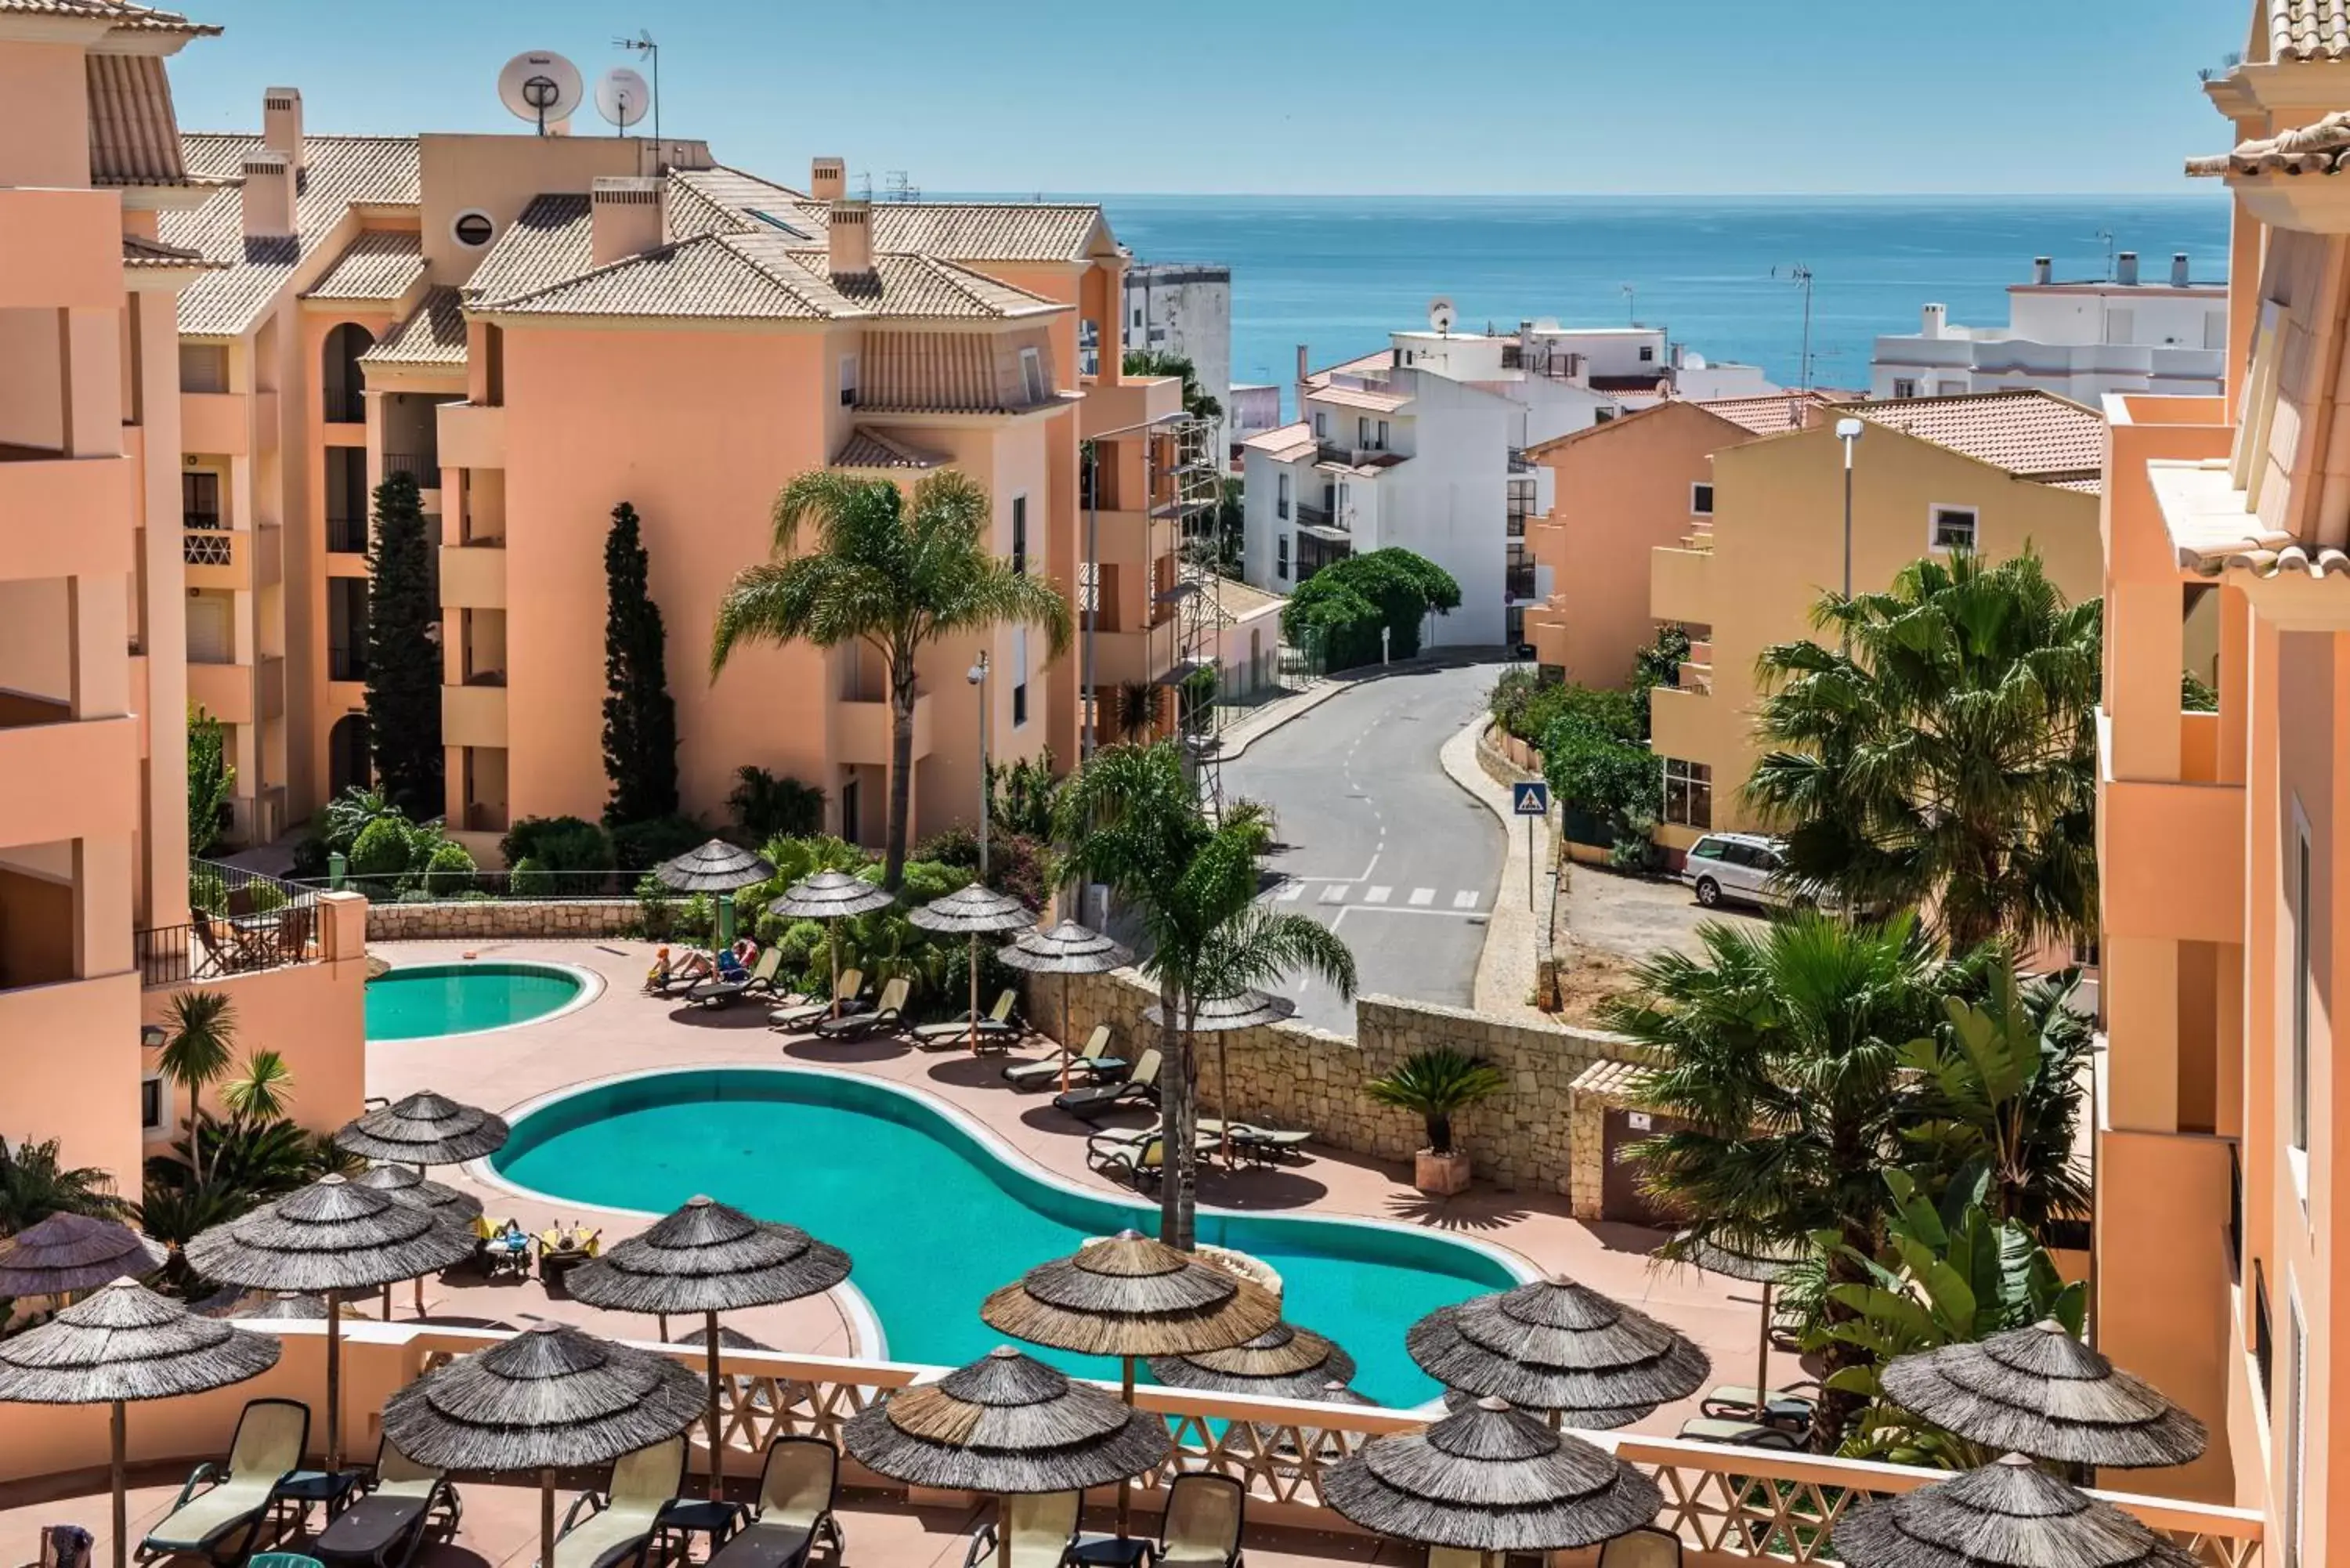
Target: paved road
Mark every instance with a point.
(1375, 842)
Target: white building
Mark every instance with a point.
(2131, 333)
(1178, 309)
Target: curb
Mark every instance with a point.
(1332, 685)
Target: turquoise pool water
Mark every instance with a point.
(935, 1221)
(431, 999)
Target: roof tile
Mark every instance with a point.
(553, 239)
(134, 137)
(873, 449)
(120, 13)
(2308, 29)
(1766, 416)
(381, 264)
(2032, 434)
(433, 334)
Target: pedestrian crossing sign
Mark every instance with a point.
(1530, 799)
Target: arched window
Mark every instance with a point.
(340, 374)
(347, 753)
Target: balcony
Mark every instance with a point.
(223, 690)
(64, 778)
(1519, 462)
(1680, 586)
(473, 716)
(474, 576)
(1314, 516)
(1518, 583)
(63, 516)
(77, 265)
(343, 405)
(472, 435)
(216, 423)
(860, 731)
(236, 558)
(1680, 724)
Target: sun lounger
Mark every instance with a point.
(1647, 1547)
(397, 1504)
(679, 973)
(1788, 1408)
(726, 992)
(500, 1247)
(852, 986)
(1087, 1064)
(1737, 1434)
(1044, 1526)
(1202, 1525)
(798, 1487)
(1260, 1146)
(995, 1024)
(220, 1513)
(620, 1522)
(1088, 1102)
(1454, 1557)
(890, 1015)
(1140, 1161)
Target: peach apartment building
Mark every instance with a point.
(540, 328)
(1989, 472)
(1640, 481)
(95, 928)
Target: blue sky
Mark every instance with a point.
(1341, 97)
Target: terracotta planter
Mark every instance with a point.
(1440, 1175)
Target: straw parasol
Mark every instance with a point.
(974, 911)
(831, 897)
(1769, 1265)
(708, 1257)
(332, 1235)
(1284, 1362)
(270, 1306)
(2009, 1514)
(69, 1252)
(1127, 1295)
(1220, 1015)
(1562, 1347)
(1005, 1424)
(126, 1343)
(550, 1397)
(1490, 1478)
(2040, 1391)
(717, 867)
(403, 1184)
(424, 1129)
(1067, 949)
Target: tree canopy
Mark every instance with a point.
(1346, 603)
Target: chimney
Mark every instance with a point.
(2125, 267)
(624, 217)
(268, 196)
(1930, 320)
(827, 180)
(1302, 374)
(2178, 269)
(281, 121)
(850, 238)
(2043, 270)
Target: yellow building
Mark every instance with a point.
(1991, 471)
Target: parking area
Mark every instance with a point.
(1613, 921)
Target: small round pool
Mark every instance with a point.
(421, 1000)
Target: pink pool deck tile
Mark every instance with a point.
(623, 1030)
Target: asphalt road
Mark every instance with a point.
(1375, 841)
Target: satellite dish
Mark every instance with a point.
(541, 87)
(1440, 315)
(622, 97)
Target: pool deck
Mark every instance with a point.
(624, 1031)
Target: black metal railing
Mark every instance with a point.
(1519, 462)
(346, 663)
(239, 921)
(1320, 514)
(423, 467)
(2235, 1208)
(463, 886)
(346, 405)
(347, 536)
(1519, 582)
(211, 519)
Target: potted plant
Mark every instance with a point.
(1435, 1085)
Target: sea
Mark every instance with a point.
(1723, 275)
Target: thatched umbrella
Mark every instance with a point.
(403, 1184)
(2040, 1391)
(548, 1398)
(708, 1257)
(1284, 1362)
(1769, 1266)
(1562, 1347)
(126, 1343)
(271, 1306)
(1220, 1015)
(332, 1235)
(423, 1129)
(1067, 949)
(974, 911)
(1128, 1296)
(2009, 1514)
(1492, 1479)
(1006, 1424)
(69, 1252)
(831, 897)
(717, 867)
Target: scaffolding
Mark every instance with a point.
(1186, 475)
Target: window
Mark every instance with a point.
(1020, 535)
(1647, 354)
(1032, 375)
(2296, 1421)
(200, 500)
(1383, 435)
(1362, 431)
(204, 366)
(1137, 316)
(1709, 849)
(2264, 1336)
(151, 1105)
(2302, 981)
(1689, 793)
(1281, 556)
(2249, 466)
(1019, 676)
(849, 380)
(1281, 495)
(1701, 500)
(1951, 528)
(472, 230)
(1602, 416)
(1905, 386)
(1321, 424)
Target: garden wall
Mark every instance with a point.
(486, 920)
(1291, 1075)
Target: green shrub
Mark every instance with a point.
(526, 880)
(448, 869)
(556, 843)
(656, 908)
(381, 853)
(207, 891)
(265, 898)
(641, 846)
(767, 805)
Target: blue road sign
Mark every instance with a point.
(1530, 799)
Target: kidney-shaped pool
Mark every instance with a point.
(937, 1213)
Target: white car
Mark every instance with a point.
(1741, 867)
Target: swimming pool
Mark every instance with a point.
(421, 1001)
(937, 1213)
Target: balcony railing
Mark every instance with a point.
(239, 921)
(1519, 582)
(1519, 462)
(345, 406)
(346, 663)
(1314, 514)
(423, 467)
(347, 536)
(208, 546)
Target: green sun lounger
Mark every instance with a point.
(220, 1513)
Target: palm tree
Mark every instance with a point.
(1134, 823)
(1135, 706)
(1783, 1049)
(266, 1093)
(199, 1049)
(890, 577)
(35, 1184)
(1944, 755)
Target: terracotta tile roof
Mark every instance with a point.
(1362, 364)
(1360, 398)
(378, 265)
(134, 137)
(552, 240)
(977, 230)
(1766, 416)
(138, 252)
(2308, 29)
(2317, 148)
(338, 172)
(119, 13)
(1287, 443)
(722, 200)
(2032, 434)
(871, 449)
(2212, 533)
(433, 334)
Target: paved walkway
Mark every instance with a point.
(1506, 969)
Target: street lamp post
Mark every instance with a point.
(977, 676)
(1848, 430)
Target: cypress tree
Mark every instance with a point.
(640, 719)
(403, 667)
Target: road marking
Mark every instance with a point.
(1376, 894)
(1335, 893)
(1290, 892)
(1423, 897)
(1464, 901)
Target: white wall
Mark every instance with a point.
(1185, 310)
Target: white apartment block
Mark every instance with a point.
(2129, 333)
(1178, 309)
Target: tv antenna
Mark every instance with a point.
(1800, 277)
(540, 86)
(2107, 237)
(642, 44)
(1631, 304)
(622, 97)
(900, 188)
(1439, 317)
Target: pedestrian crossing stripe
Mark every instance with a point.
(1464, 901)
(1290, 892)
(1422, 897)
(1376, 894)
(1335, 893)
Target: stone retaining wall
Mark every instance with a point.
(1291, 1075)
(489, 919)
